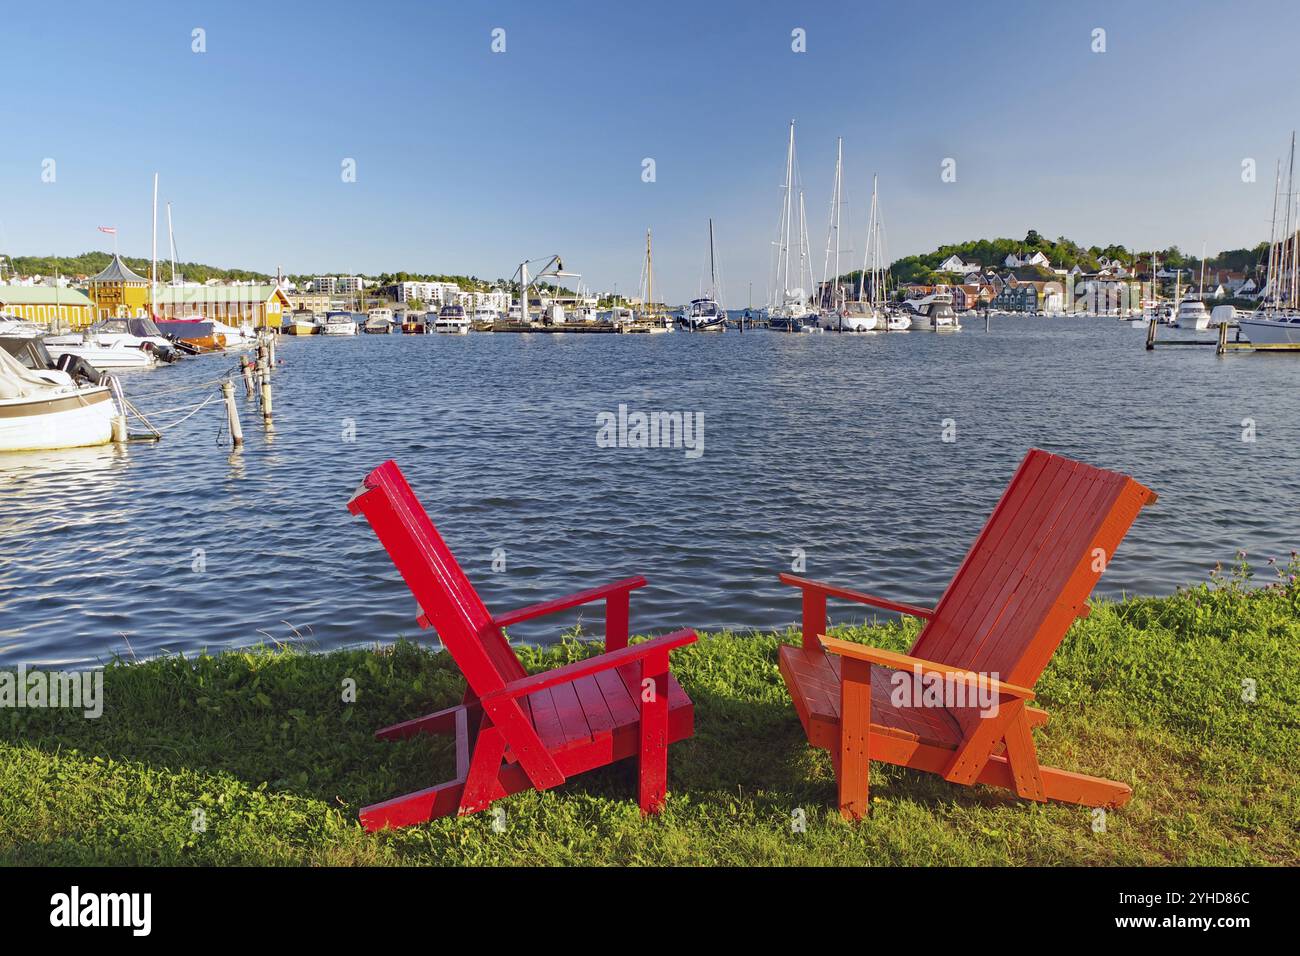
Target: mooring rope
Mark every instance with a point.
(207, 401)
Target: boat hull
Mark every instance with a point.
(1270, 332)
(76, 420)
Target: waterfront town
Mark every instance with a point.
(1026, 282)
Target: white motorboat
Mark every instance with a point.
(485, 314)
(113, 352)
(1192, 314)
(451, 320)
(933, 313)
(39, 411)
(138, 332)
(898, 322)
(339, 323)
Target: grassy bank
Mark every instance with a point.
(1148, 691)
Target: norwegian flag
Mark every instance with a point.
(111, 230)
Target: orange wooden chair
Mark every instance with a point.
(514, 731)
(1025, 580)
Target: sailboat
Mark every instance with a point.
(839, 314)
(1277, 321)
(788, 311)
(705, 314)
(650, 318)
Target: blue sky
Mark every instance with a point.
(469, 161)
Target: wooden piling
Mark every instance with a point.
(1151, 334)
(232, 414)
(246, 367)
(1222, 345)
(266, 401)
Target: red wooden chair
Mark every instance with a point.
(514, 731)
(1025, 580)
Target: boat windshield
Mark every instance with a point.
(31, 352)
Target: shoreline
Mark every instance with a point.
(259, 748)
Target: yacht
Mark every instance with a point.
(1192, 314)
(451, 319)
(704, 315)
(487, 315)
(934, 313)
(379, 321)
(339, 323)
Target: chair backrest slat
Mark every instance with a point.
(448, 599)
(1031, 569)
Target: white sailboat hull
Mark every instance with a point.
(1275, 331)
(850, 322)
(46, 422)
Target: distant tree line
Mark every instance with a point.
(1063, 254)
(90, 263)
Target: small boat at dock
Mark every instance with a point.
(379, 322)
(43, 410)
(414, 323)
(452, 320)
(338, 323)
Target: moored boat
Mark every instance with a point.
(41, 413)
(379, 322)
(338, 323)
(452, 320)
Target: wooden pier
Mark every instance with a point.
(1221, 344)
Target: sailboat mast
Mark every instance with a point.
(171, 241)
(789, 210)
(1288, 233)
(1201, 292)
(649, 272)
(833, 231)
(713, 274)
(153, 265)
(1270, 276)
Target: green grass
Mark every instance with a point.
(1148, 691)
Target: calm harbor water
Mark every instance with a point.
(830, 444)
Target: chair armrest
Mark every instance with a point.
(832, 591)
(563, 604)
(893, 659)
(610, 660)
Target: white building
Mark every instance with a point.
(324, 284)
(954, 263)
(1015, 260)
(430, 293)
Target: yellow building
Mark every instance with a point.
(261, 306)
(47, 305)
(118, 292)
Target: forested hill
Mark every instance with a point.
(89, 263)
(1065, 254)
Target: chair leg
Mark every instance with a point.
(853, 772)
(482, 782)
(1022, 756)
(653, 756)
